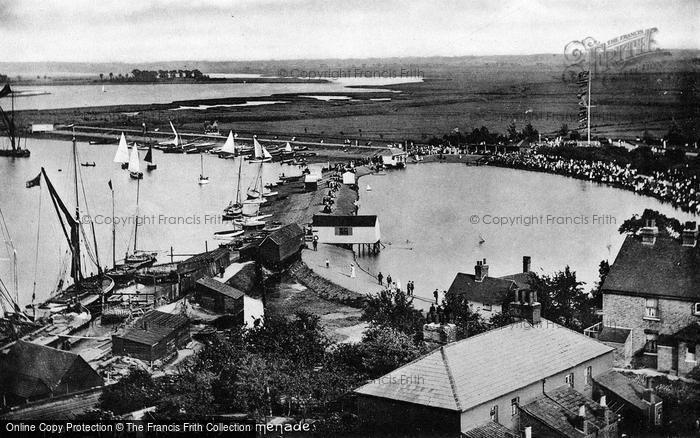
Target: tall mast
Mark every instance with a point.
(238, 186)
(114, 232)
(588, 107)
(76, 237)
(136, 226)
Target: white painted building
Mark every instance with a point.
(393, 157)
(349, 178)
(346, 230)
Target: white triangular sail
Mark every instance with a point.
(258, 148)
(266, 154)
(134, 164)
(122, 155)
(176, 140)
(230, 146)
(288, 148)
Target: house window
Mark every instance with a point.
(514, 405)
(696, 309)
(650, 346)
(343, 231)
(652, 308)
(569, 379)
(690, 355)
(486, 307)
(494, 413)
(589, 375)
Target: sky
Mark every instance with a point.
(218, 30)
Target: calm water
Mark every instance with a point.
(79, 96)
(177, 211)
(425, 215)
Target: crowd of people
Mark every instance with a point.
(672, 185)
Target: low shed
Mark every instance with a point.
(219, 297)
(156, 335)
(282, 246)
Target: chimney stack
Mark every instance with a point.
(690, 234)
(526, 264)
(649, 232)
(481, 270)
(526, 307)
(580, 420)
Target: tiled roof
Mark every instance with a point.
(489, 430)
(559, 408)
(220, 287)
(149, 336)
(344, 221)
(520, 279)
(623, 387)
(464, 374)
(489, 291)
(665, 268)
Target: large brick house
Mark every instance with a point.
(651, 301)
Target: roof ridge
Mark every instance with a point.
(453, 386)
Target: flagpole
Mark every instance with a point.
(588, 107)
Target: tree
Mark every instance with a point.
(563, 131)
(384, 349)
(603, 271)
(111, 76)
(188, 396)
(135, 391)
(529, 133)
(574, 135)
(663, 223)
(563, 299)
(393, 309)
(460, 312)
(102, 76)
(512, 133)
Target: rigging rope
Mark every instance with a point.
(36, 252)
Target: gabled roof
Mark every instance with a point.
(207, 256)
(220, 287)
(521, 280)
(320, 220)
(29, 368)
(559, 408)
(61, 408)
(163, 319)
(489, 430)
(148, 336)
(489, 291)
(288, 233)
(664, 269)
(467, 373)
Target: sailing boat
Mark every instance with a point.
(229, 148)
(235, 209)
(255, 190)
(134, 164)
(149, 159)
(15, 149)
(122, 155)
(138, 258)
(175, 145)
(202, 179)
(103, 89)
(261, 155)
(85, 292)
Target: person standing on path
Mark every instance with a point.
(328, 264)
(388, 280)
(315, 243)
(352, 270)
(380, 278)
(435, 294)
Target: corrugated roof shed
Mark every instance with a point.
(489, 291)
(286, 234)
(475, 370)
(665, 269)
(344, 221)
(220, 287)
(156, 317)
(623, 387)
